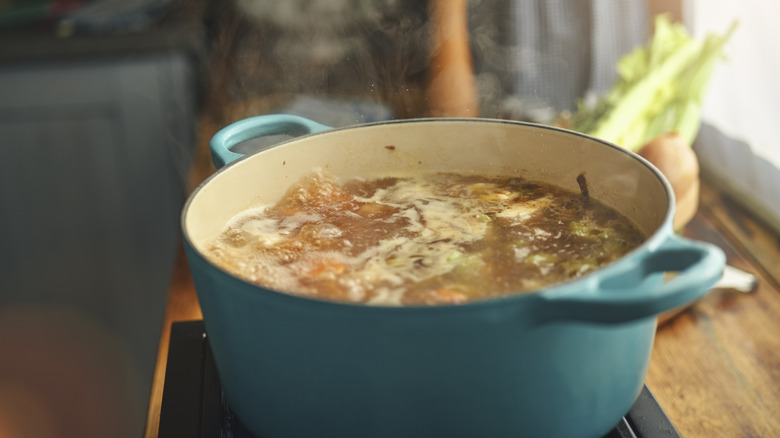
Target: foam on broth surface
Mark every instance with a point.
(421, 239)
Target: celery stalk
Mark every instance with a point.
(686, 123)
(660, 89)
(633, 104)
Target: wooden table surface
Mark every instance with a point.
(715, 367)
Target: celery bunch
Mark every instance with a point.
(660, 89)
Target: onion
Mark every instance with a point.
(676, 160)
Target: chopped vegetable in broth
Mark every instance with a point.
(421, 239)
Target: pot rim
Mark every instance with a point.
(567, 287)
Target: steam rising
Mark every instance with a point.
(336, 47)
(532, 59)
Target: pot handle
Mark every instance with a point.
(634, 292)
(254, 127)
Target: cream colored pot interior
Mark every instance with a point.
(471, 146)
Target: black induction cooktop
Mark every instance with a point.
(193, 404)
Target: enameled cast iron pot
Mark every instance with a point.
(566, 361)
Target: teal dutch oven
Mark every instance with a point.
(564, 361)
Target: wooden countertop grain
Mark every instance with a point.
(715, 368)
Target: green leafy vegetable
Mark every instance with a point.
(660, 89)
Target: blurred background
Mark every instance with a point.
(107, 106)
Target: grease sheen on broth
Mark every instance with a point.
(421, 239)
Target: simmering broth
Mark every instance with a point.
(421, 239)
